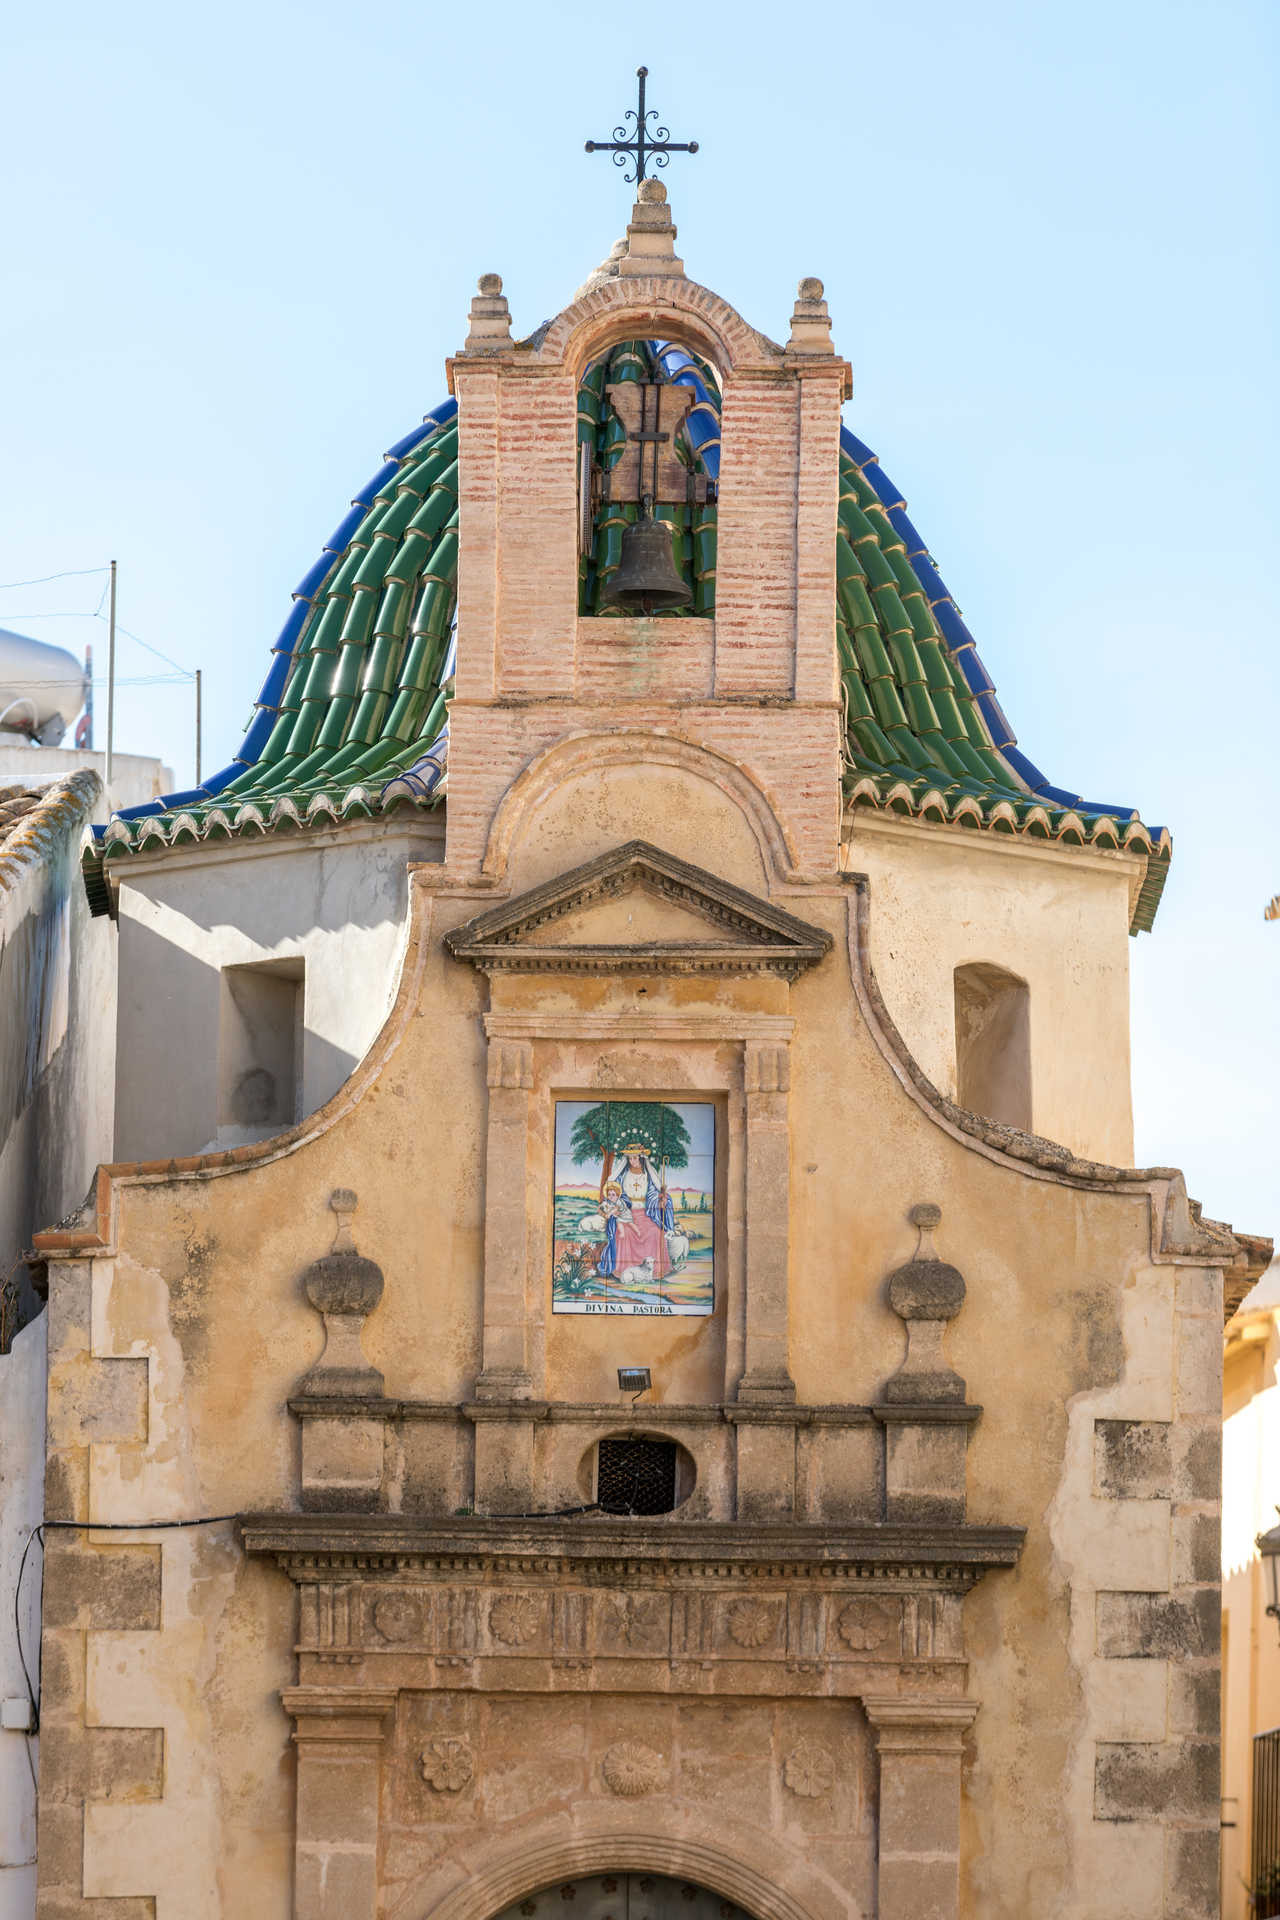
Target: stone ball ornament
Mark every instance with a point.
(344, 1287)
(344, 1281)
(926, 1288)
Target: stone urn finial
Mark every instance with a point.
(490, 322)
(344, 1288)
(810, 319)
(925, 1294)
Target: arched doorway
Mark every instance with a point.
(623, 1896)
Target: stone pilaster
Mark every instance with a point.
(919, 1744)
(338, 1733)
(505, 1354)
(766, 1072)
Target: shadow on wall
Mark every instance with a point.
(220, 1055)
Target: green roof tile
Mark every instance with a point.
(362, 719)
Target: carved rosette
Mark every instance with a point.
(809, 1770)
(398, 1617)
(513, 1618)
(448, 1765)
(631, 1769)
(751, 1622)
(865, 1625)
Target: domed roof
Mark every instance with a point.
(352, 720)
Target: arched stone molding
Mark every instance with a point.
(1177, 1233)
(666, 306)
(758, 1872)
(579, 753)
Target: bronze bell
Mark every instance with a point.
(646, 580)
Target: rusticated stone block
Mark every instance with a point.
(59, 1904)
(1132, 1459)
(1143, 1626)
(101, 1763)
(1196, 1549)
(1195, 1700)
(1197, 1460)
(98, 1587)
(61, 1846)
(101, 1400)
(1191, 1875)
(1171, 1780)
(66, 1484)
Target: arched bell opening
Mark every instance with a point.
(624, 1896)
(648, 476)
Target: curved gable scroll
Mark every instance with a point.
(666, 306)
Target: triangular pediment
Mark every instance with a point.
(638, 909)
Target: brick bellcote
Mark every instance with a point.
(757, 684)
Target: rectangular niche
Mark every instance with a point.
(634, 1207)
(260, 1028)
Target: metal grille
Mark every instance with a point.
(636, 1476)
(1266, 1824)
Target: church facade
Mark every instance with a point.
(622, 1360)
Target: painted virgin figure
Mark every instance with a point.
(638, 1215)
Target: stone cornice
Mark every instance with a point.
(317, 1546)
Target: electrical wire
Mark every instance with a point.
(86, 1526)
(72, 573)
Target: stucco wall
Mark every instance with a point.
(1090, 1659)
(335, 901)
(1250, 1641)
(946, 897)
(57, 1024)
(22, 1409)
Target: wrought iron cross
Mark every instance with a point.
(641, 148)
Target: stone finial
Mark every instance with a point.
(925, 1294)
(344, 1288)
(810, 321)
(651, 235)
(490, 328)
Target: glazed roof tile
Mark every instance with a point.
(352, 718)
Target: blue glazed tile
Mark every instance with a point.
(141, 812)
(1001, 732)
(1059, 796)
(902, 525)
(217, 781)
(191, 797)
(287, 639)
(447, 410)
(1096, 806)
(256, 738)
(409, 441)
(273, 685)
(314, 576)
(377, 483)
(340, 538)
(889, 494)
(856, 449)
(1027, 768)
(935, 587)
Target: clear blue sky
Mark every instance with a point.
(240, 241)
